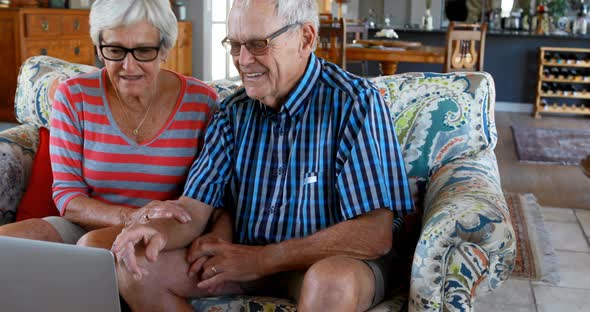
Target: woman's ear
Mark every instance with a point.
(164, 55)
(99, 54)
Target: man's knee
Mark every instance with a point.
(332, 281)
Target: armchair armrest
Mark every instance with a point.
(17, 149)
(467, 241)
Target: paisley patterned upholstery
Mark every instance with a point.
(445, 125)
(38, 79)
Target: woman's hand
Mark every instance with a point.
(126, 242)
(169, 209)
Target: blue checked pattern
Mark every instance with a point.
(329, 155)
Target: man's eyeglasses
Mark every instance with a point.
(117, 53)
(257, 46)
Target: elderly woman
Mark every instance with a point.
(122, 138)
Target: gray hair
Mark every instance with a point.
(295, 11)
(106, 14)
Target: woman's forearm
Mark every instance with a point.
(93, 214)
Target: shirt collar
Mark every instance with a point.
(298, 97)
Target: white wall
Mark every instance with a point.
(196, 13)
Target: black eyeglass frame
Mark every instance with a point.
(227, 43)
(127, 50)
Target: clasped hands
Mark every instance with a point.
(210, 256)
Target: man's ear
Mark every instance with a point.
(308, 34)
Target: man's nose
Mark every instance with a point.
(245, 56)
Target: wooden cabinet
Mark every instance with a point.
(64, 34)
(564, 81)
(180, 58)
(27, 32)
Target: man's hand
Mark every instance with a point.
(223, 262)
(124, 247)
(158, 210)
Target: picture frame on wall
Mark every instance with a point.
(80, 4)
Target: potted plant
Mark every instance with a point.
(558, 8)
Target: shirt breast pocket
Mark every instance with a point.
(315, 200)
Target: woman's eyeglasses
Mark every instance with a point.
(257, 46)
(117, 53)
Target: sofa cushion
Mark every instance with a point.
(224, 87)
(17, 147)
(37, 201)
(37, 81)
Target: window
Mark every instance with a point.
(221, 65)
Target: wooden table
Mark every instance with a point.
(390, 57)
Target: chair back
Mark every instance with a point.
(332, 41)
(465, 47)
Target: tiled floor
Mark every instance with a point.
(570, 232)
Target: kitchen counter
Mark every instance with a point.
(491, 32)
(511, 58)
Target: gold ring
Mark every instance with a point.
(214, 270)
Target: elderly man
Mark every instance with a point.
(306, 157)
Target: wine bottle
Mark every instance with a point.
(556, 88)
(568, 90)
(548, 56)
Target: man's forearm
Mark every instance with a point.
(180, 235)
(366, 237)
(220, 224)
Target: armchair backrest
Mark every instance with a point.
(439, 118)
(37, 81)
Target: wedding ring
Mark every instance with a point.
(214, 270)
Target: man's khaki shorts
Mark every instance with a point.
(288, 284)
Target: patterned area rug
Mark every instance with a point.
(551, 145)
(535, 259)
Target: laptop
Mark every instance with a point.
(42, 276)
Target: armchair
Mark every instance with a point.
(445, 126)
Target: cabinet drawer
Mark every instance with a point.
(42, 25)
(76, 25)
(78, 51)
(43, 47)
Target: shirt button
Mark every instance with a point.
(280, 171)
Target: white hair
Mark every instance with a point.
(106, 14)
(294, 11)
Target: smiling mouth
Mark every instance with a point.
(131, 78)
(254, 75)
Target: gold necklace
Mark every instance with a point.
(136, 130)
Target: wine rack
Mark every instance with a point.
(564, 81)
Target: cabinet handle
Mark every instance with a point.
(77, 51)
(76, 24)
(45, 25)
(43, 51)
